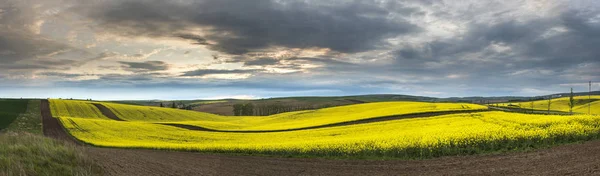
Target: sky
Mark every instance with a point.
(211, 49)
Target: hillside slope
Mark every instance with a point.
(458, 134)
(561, 104)
(297, 119)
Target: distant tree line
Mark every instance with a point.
(177, 105)
(249, 109)
(243, 109)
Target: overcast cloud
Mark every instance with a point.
(267, 48)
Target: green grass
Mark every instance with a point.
(9, 110)
(28, 154)
(30, 121)
(24, 151)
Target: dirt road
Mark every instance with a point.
(51, 127)
(574, 159)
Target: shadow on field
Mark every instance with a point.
(355, 122)
(571, 159)
(107, 112)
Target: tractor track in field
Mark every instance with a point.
(570, 159)
(355, 122)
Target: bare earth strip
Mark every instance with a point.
(572, 159)
(355, 122)
(51, 127)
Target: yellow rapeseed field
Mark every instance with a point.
(158, 114)
(75, 108)
(332, 115)
(562, 104)
(281, 121)
(457, 134)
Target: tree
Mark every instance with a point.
(532, 107)
(571, 102)
(161, 105)
(248, 109)
(237, 109)
(173, 105)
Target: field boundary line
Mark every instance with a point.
(529, 111)
(347, 123)
(52, 127)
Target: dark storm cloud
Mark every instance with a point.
(542, 52)
(21, 48)
(575, 46)
(532, 44)
(23, 67)
(199, 40)
(63, 75)
(262, 62)
(16, 45)
(470, 48)
(145, 66)
(325, 60)
(204, 72)
(238, 27)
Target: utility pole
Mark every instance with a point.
(571, 102)
(590, 99)
(549, 103)
(532, 107)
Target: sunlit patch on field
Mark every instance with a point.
(456, 134)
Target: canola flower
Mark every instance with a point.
(561, 104)
(290, 120)
(458, 134)
(74, 108)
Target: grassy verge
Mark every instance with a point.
(30, 121)
(24, 151)
(10, 110)
(28, 154)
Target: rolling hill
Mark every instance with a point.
(561, 104)
(290, 120)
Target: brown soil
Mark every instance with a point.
(51, 127)
(107, 112)
(573, 159)
(226, 108)
(355, 122)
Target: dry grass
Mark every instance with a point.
(28, 154)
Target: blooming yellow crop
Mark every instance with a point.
(75, 108)
(456, 134)
(408, 138)
(562, 104)
(281, 121)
